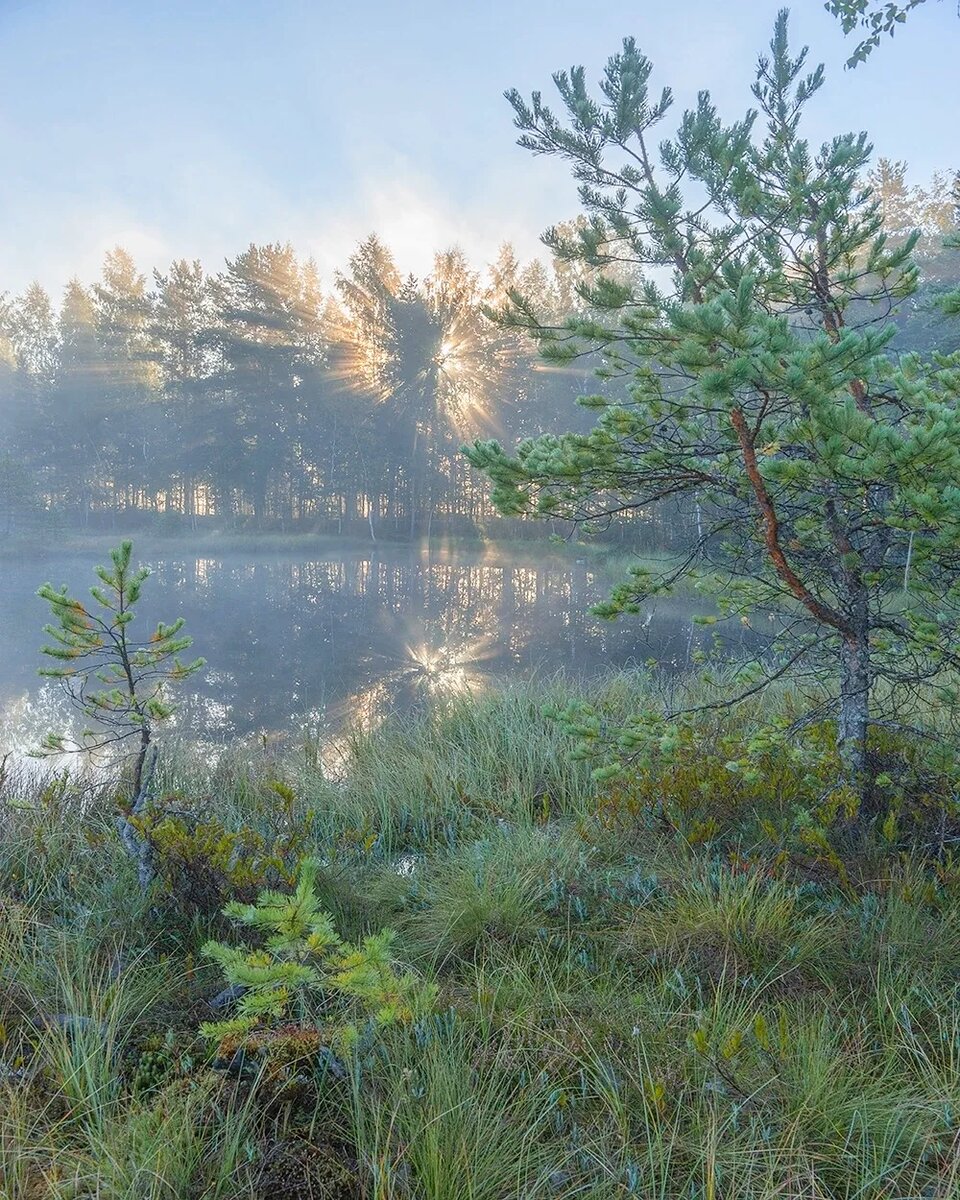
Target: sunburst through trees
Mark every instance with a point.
(438, 367)
(257, 396)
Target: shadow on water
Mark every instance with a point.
(340, 638)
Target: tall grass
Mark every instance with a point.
(445, 1118)
(625, 1006)
(69, 1126)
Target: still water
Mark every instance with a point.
(318, 642)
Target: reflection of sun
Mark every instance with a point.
(425, 670)
(448, 669)
(445, 672)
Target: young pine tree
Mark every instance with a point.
(119, 683)
(760, 386)
(302, 960)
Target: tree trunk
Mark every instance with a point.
(854, 710)
(259, 496)
(136, 845)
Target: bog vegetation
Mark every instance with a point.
(690, 938)
(470, 969)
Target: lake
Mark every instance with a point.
(318, 640)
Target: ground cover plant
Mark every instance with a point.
(682, 983)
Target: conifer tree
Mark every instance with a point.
(120, 683)
(28, 325)
(425, 352)
(129, 377)
(122, 311)
(269, 341)
(183, 314)
(761, 384)
(32, 328)
(82, 413)
(302, 958)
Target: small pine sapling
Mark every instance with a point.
(302, 958)
(113, 680)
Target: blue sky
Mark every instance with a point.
(192, 127)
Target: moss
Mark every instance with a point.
(301, 1169)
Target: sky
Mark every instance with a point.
(190, 128)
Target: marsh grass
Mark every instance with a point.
(69, 1125)
(625, 1007)
(454, 1119)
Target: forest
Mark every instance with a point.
(250, 395)
(250, 398)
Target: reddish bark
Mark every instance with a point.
(771, 533)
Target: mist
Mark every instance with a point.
(479, 600)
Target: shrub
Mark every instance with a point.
(200, 863)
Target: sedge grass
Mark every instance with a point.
(623, 1009)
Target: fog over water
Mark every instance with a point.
(319, 641)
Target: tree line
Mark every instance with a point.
(254, 395)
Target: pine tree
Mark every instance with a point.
(29, 328)
(122, 314)
(431, 360)
(302, 958)
(761, 385)
(32, 328)
(269, 342)
(182, 316)
(128, 379)
(83, 415)
(112, 679)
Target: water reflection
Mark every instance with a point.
(344, 638)
(448, 670)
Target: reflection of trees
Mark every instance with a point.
(292, 642)
(386, 630)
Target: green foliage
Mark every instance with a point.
(762, 388)
(872, 18)
(497, 889)
(155, 1064)
(457, 1119)
(303, 956)
(200, 863)
(630, 1009)
(118, 682)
